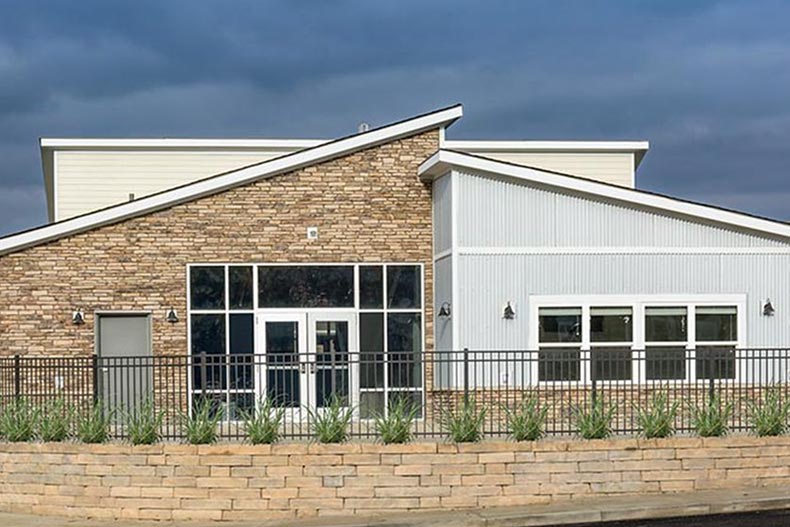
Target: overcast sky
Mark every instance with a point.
(707, 83)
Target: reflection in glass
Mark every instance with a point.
(207, 287)
(306, 286)
(560, 324)
(403, 287)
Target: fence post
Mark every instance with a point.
(711, 389)
(95, 376)
(594, 391)
(17, 377)
(466, 375)
(203, 383)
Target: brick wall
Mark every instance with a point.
(296, 480)
(369, 206)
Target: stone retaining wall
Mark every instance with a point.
(232, 482)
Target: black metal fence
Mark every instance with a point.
(564, 381)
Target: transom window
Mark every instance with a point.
(686, 339)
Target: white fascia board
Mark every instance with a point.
(228, 180)
(444, 160)
(550, 146)
(638, 148)
(167, 143)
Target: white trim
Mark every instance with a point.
(498, 251)
(455, 287)
(567, 146)
(232, 179)
(637, 303)
(637, 148)
(55, 199)
(166, 142)
(445, 160)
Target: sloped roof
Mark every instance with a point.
(242, 176)
(444, 160)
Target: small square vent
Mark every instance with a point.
(312, 233)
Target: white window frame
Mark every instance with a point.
(257, 311)
(638, 303)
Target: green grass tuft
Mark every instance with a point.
(465, 423)
(658, 419)
(330, 424)
(263, 426)
(527, 421)
(595, 421)
(396, 425)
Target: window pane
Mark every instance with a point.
(282, 343)
(306, 286)
(716, 323)
(331, 378)
(559, 364)
(241, 349)
(665, 363)
(411, 399)
(560, 324)
(241, 333)
(241, 404)
(207, 287)
(240, 287)
(611, 324)
(611, 364)
(371, 347)
(715, 362)
(404, 340)
(329, 383)
(371, 287)
(665, 324)
(403, 287)
(218, 402)
(371, 404)
(208, 336)
(283, 387)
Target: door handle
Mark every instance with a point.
(312, 367)
(302, 368)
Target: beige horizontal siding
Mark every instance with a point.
(88, 181)
(615, 168)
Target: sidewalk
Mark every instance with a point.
(576, 511)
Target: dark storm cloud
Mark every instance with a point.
(706, 82)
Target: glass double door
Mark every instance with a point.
(307, 361)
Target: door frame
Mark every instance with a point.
(306, 318)
(335, 315)
(98, 315)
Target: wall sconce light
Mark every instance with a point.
(768, 308)
(445, 310)
(172, 316)
(509, 313)
(78, 317)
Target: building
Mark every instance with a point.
(396, 243)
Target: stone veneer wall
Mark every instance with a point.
(369, 206)
(230, 482)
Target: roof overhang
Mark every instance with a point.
(637, 148)
(218, 183)
(445, 161)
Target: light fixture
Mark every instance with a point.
(509, 313)
(445, 311)
(768, 308)
(172, 316)
(78, 317)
